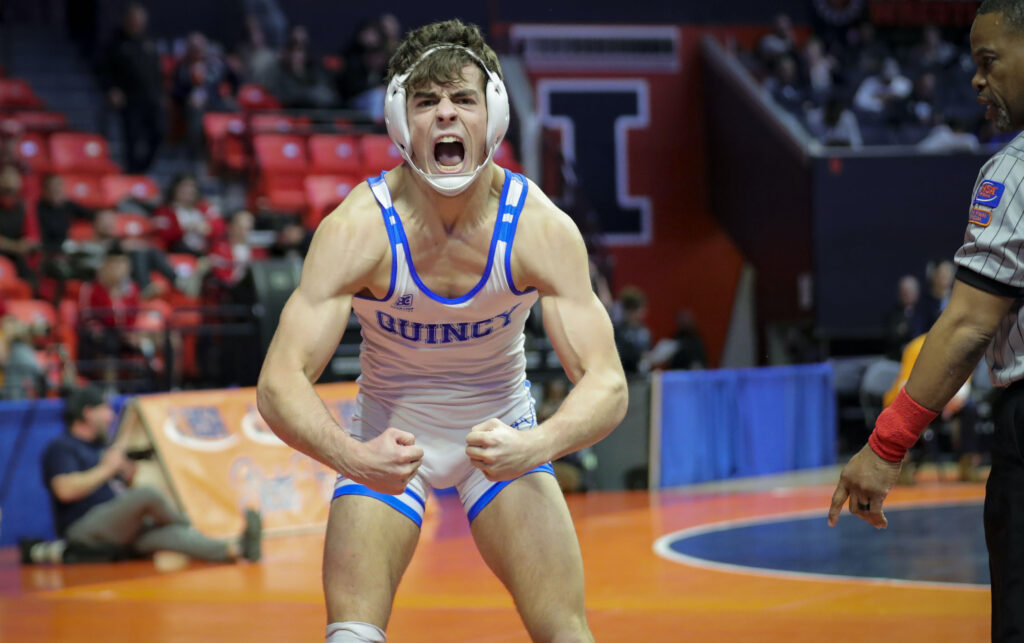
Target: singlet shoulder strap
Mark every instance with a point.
(393, 224)
(511, 208)
(392, 221)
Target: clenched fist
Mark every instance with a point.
(503, 453)
(386, 463)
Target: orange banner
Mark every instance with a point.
(220, 457)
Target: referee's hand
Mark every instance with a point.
(866, 480)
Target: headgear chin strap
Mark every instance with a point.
(397, 121)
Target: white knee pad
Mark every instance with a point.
(354, 632)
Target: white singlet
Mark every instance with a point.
(436, 366)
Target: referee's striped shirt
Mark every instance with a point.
(992, 256)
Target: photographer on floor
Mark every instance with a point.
(99, 515)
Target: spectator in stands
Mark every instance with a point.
(834, 124)
(108, 308)
(272, 21)
(949, 136)
(95, 504)
(882, 93)
(683, 351)
(22, 374)
(921, 105)
(690, 353)
(14, 240)
(390, 31)
(55, 212)
(87, 257)
(230, 256)
(779, 43)
(202, 83)
(300, 83)
(784, 86)
(820, 68)
(940, 279)
(632, 336)
(258, 58)
(933, 53)
(907, 320)
(292, 240)
(130, 74)
(186, 223)
(865, 51)
(361, 83)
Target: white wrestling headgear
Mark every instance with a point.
(397, 122)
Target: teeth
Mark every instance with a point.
(448, 139)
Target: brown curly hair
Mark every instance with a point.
(443, 67)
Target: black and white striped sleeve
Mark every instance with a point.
(992, 255)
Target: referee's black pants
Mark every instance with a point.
(1004, 517)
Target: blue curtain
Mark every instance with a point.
(746, 422)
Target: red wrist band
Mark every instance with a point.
(899, 426)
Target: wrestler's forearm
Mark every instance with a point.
(298, 416)
(591, 411)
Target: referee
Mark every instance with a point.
(984, 316)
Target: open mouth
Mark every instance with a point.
(450, 154)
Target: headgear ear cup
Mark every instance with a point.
(396, 119)
(497, 111)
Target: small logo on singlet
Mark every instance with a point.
(403, 303)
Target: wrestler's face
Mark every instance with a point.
(448, 124)
(998, 49)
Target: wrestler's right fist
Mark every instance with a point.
(386, 463)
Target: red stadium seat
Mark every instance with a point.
(132, 226)
(33, 312)
(80, 231)
(334, 154)
(285, 192)
(253, 97)
(378, 153)
(11, 286)
(280, 153)
(279, 124)
(41, 121)
(33, 150)
(225, 140)
(17, 93)
(85, 190)
(79, 152)
(281, 159)
(118, 187)
(324, 193)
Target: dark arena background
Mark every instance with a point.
(765, 232)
